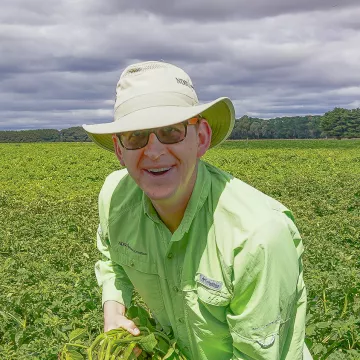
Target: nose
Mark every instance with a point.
(154, 148)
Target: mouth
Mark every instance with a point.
(158, 171)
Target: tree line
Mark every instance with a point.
(73, 134)
(338, 123)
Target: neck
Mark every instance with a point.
(172, 211)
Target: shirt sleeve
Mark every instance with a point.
(111, 276)
(262, 314)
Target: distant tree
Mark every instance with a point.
(336, 123)
(294, 127)
(254, 130)
(341, 123)
(43, 135)
(236, 134)
(270, 129)
(314, 126)
(264, 126)
(74, 134)
(352, 119)
(244, 126)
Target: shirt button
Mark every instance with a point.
(170, 255)
(176, 289)
(180, 320)
(132, 263)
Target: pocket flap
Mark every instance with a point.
(209, 291)
(137, 262)
(212, 297)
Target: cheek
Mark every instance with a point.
(192, 151)
(192, 145)
(131, 161)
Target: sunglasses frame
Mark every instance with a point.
(191, 121)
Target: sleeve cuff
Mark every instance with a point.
(111, 291)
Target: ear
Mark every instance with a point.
(117, 148)
(204, 137)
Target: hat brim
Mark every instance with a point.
(219, 113)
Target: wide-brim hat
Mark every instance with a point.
(154, 94)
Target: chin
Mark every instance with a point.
(157, 195)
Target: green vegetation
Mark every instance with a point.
(342, 123)
(48, 216)
(295, 127)
(119, 344)
(338, 123)
(74, 134)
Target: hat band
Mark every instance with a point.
(145, 101)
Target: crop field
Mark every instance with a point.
(48, 222)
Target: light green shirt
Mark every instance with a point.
(228, 282)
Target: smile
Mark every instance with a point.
(158, 171)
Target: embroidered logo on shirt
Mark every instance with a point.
(210, 283)
(130, 248)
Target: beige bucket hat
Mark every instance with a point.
(154, 94)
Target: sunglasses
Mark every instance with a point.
(171, 134)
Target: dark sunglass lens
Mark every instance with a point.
(171, 134)
(134, 139)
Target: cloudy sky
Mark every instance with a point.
(60, 60)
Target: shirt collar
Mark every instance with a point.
(149, 209)
(197, 200)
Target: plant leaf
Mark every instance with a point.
(77, 334)
(73, 355)
(148, 343)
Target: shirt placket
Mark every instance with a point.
(173, 266)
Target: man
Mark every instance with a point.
(217, 262)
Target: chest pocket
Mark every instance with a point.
(143, 274)
(205, 307)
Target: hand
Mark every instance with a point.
(114, 318)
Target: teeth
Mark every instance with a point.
(158, 170)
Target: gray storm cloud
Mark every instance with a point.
(60, 62)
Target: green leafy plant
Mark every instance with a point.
(119, 344)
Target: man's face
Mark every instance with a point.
(178, 161)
